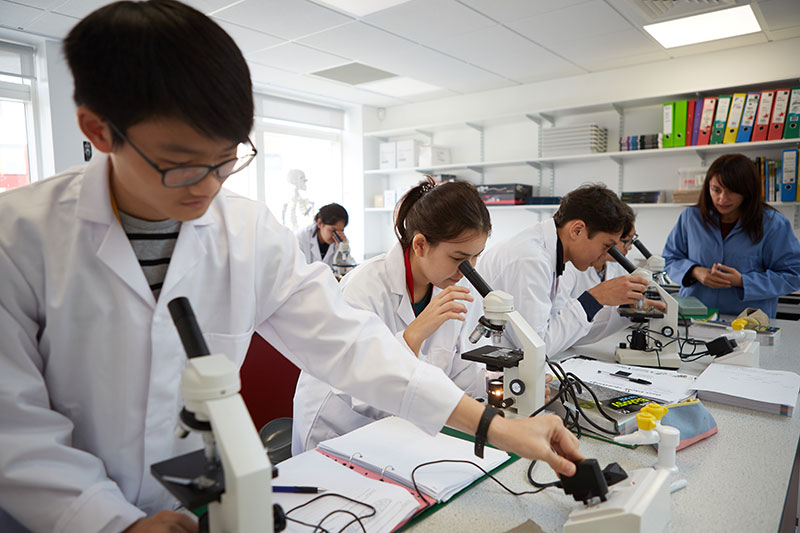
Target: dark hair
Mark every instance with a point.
(134, 61)
(331, 214)
(598, 207)
(440, 212)
(738, 174)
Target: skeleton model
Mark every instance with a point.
(297, 210)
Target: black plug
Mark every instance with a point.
(721, 346)
(587, 483)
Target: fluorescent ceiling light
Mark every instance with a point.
(361, 8)
(399, 86)
(706, 27)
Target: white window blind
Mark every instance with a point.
(298, 111)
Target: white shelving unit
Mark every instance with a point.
(506, 148)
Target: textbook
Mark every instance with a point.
(771, 391)
(395, 447)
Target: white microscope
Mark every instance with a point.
(343, 262)
(232, 474)
(654, 342)
(522, 390)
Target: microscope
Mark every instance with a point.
(232, 474)
(653, 263)
(653, 341)
(343, 262)
(522, 390)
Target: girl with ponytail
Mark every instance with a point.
(418, 291)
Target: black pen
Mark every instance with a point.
(626, 375)
(298, 490)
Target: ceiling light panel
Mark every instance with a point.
(706, 27)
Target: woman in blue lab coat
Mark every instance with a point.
(732, 250)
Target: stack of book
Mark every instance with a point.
(645, 197)
(568, 140)
(640, 142)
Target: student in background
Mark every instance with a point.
(317, 241)
(418, 292)
(529, 265)
(90, 360)
(732, 250)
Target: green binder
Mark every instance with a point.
(679, 124)
(720, 119)
(669, 125)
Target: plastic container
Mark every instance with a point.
(739, 334)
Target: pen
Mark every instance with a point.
(626, 375)
(300, 490)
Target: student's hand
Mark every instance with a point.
(341, 235)
(443, 307)
(619, 291)
(164, 522)
(655, 304)
(547, 379)
(543, 437)
(727, 273)
(710, 278)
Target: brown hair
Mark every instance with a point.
(738, 174)
(440, 212)
(598, 207)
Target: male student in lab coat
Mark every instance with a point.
(529, 266)
(90, 360)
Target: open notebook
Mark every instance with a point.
(394, 447)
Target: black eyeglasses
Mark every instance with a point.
(183, 176)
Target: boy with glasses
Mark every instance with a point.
(90, 361)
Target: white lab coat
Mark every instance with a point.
(90, 363)
(525, 267)
(608, 320)
(379, 286)
(309, 245)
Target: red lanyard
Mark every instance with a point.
(409, 275)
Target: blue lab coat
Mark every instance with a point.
(769, 268)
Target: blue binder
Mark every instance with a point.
(789, 176)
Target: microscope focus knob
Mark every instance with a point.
(658, 411)
(645, 421)
(516, 386)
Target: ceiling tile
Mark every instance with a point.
(779, 14)
(289, 19)
(607, 63)
(571, 23)
(785, 33)
(502, 51)
(427, 21)
(721, 44)
(17, 16)
(249, 40)
(79, 8)
(53, 25)
(41, 4)
(359, 41)
(590, 50)
(511, 10)
(296, 58)
(209, 6)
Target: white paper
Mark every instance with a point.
(667, 386)
(393, 504)
(770, 386)
(399, 446)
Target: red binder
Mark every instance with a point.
(761, 128)
(778, 114)
(707, 120)
(689, 121)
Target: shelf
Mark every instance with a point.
(634, 154)
(551, 207)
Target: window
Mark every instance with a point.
(17, 149)
(293, 135)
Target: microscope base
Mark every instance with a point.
(628, 356)
(640, 504)
(746, 355)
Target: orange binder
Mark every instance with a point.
(706, 120)
(761, 127)
(778, 114)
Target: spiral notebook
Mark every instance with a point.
(392, 447)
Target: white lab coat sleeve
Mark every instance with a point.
(46, 484)
(469, 375)
(306, 318)
(676, 251)
(606, 322)
(528, 280)
(780, 262)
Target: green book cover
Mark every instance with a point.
(679, 123)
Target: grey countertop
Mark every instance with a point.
(737, 479)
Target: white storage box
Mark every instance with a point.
(389, 198)
(431, 155)
(407, 153)
(388, 155)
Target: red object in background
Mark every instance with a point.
(9, 181)
(268, 382)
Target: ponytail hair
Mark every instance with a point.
(440, 212)
(331, 215)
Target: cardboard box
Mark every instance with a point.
(431, 155)
(505, 193)
(388, 155)
(408, 153)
